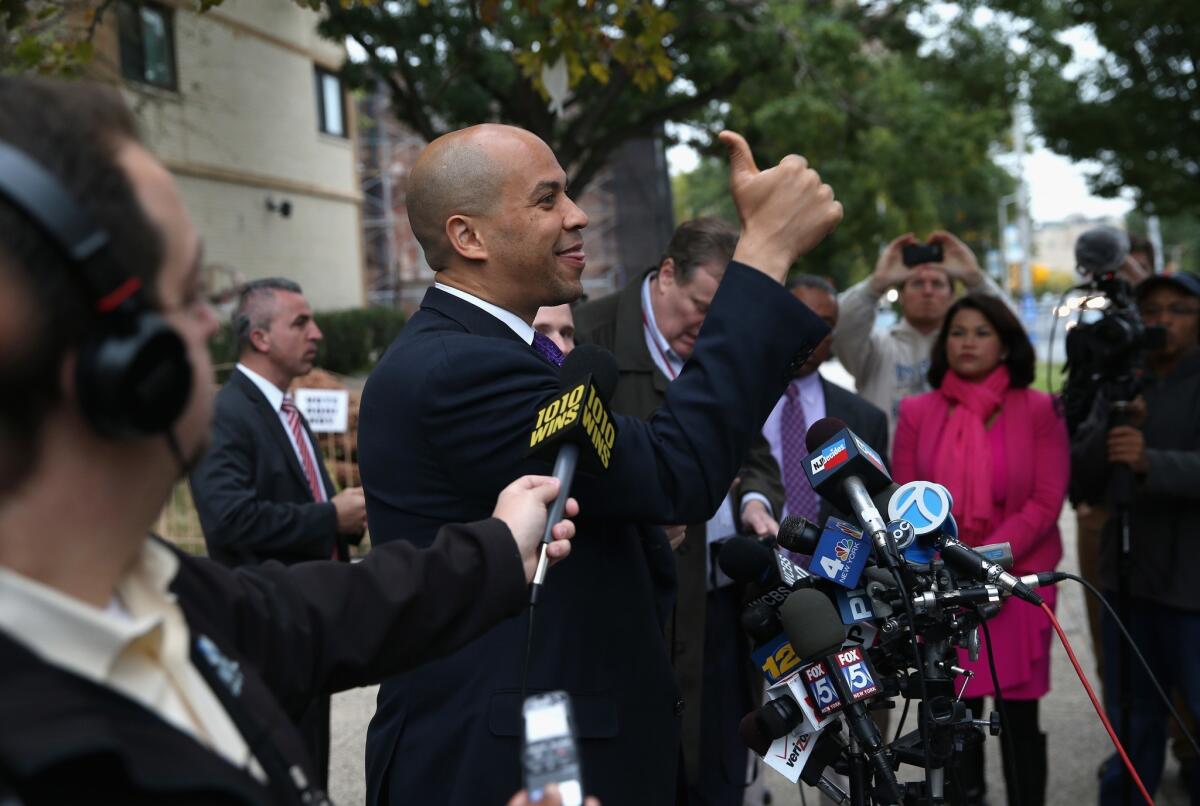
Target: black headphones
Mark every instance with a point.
(133, 375)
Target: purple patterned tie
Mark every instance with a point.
(547, 349)
(801, 500)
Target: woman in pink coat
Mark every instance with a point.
(1001, 449)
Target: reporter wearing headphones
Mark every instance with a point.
(133, 673)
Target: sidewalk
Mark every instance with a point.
(1077, 740)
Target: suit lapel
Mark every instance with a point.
(272, 425)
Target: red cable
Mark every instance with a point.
(1096, 704)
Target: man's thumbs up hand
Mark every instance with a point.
(785, 211)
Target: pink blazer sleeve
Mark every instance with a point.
(1050, 464)
(904, 445)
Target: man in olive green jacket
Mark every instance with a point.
(651, 327)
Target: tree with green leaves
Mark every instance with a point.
(624, 67)
(48, 36)
(1136, 108)
(55, 37)
(902, 130)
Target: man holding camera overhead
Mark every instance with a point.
(889, 367)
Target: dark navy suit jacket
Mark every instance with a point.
(444, 425)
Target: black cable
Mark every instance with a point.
(1013, 784)
(922, 728)
(525, 663)
(903, 717)
(1138, 653)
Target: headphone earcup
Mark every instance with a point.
(134, 378)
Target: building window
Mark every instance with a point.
(331, 105)
(147, 36)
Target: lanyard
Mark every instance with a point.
(666, 362)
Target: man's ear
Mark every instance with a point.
(260, 340)
(465, 239)
(666, 272)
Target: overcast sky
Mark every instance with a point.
(1057, 186)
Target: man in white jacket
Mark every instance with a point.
(890, 366)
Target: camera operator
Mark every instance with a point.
(1161, 444)
(134, 673)
(889, 367)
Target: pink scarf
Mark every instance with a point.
(964, 460)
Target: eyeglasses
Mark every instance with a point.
(1179, 309)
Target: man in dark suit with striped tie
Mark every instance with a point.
(262, 491)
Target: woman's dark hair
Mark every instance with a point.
(1020, 358)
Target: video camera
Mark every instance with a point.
(1105, 355)
(835, 619)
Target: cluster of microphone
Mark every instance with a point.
(828, 603)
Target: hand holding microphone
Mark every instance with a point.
(522, 507)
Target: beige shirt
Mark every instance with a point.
(138, 646)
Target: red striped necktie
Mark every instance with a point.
(304, 447)
(307, 461)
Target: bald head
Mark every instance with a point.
(460, 173)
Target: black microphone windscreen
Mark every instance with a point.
(799, 535)
(812, 624)
(751, 736)
(745, 559)
(594, 360)
(820, 432)
(1101, 249)
(779, 717)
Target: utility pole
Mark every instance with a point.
(1028, 311)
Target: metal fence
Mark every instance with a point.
(179, 523)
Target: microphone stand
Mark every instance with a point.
(1120, 497)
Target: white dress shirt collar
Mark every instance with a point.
(271, 392)
(81, 638)
(518, 325)
(667, 360)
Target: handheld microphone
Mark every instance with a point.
(774, 720)
(846, 471)
(798, 534)
(576, 428)
(970, 562)
(750, 560)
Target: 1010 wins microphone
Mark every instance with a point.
(576, 428)
(846, 471)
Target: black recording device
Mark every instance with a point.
(1106, 355)
(132, 375)
(914, 254)
(549, 754)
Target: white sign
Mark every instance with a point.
(327, 410)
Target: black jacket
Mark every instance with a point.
(282, 635)
(615, 323)
(444, 425)
(250, 491)
(1165, 519)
